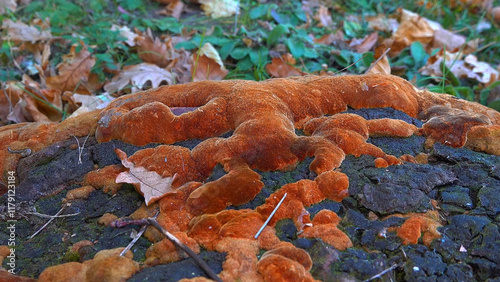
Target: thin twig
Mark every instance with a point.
(376, 61)
(48, 222)
(235, 29)
(152, 221)
(270, 216)
(80, 149)
(381, 273)
(136, 238)
(51, 216)
(362, 57)
(334, 74)
(211, 274)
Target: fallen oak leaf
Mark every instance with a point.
(149, 183)
(74, 72)
(137, 76)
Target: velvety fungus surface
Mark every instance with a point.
(246, 127)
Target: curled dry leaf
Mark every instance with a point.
(152, 50)
(74, 72)
(283, 67)
(412, 28)
(19, 31)
(366, 44)
(22, 103)
(149, 183)
(137, 76)
(381, 64)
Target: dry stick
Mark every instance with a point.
(51, 216)
(270, 216)
(381, 273)
(379, 58)
(327, 76)
(211, 274)
(50, 220)
(136, 238)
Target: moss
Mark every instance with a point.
(70, 256)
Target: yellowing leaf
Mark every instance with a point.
(137, 76)
(209, 51)
(149, 183)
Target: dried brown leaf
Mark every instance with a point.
(283, 67)
(367, 43)
(74, 71)
(152, 50)
(19, 31)
(381, 65)
(149, 183)
(412, 28)
(209, 65)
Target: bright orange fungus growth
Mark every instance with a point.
(263, 118)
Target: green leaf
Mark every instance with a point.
(259, 56)
(104, 57)
(276, 34)
(226, 49)
(418, 53)
(296, 47)
(132, 4)
(188, 45)
(245, 64)
(449, 75)
(352, 28)
(311, 53)
(239, 53)
(344, 58)
(168, 24)
(465, 92)
(495, 105)
(259, 11)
